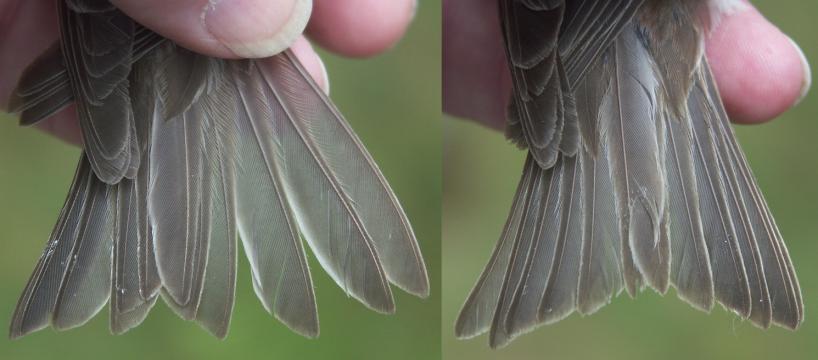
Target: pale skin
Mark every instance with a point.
(760, 72)
(354, 28)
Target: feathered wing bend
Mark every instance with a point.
(634, 177)
(185, 154)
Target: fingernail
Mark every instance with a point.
(807, 82)
(255, 29)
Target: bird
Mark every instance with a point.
(184, 155)
(633, 178)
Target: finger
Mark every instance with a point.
(27, 28)
(360, 28)
(476, 81)
(224, 28)
(312, 62)
(759, 70)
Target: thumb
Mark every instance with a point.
(227, 29)
(759, 70)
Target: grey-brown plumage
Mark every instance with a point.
(634, 177)
(184, 154)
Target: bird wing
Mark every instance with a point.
(184, 155)
(658, 193)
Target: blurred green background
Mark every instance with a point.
(392, 102)
(481, 171)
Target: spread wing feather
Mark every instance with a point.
(36, 305)
(356, 173)
(85, 286)
(184, 154)
(658, 192)
(477, 314)
(269, 231)
(321, 200)
(128, 306)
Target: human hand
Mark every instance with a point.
(228, 29)
(759, 70)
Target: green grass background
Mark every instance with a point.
(481, 173)
(393, 103)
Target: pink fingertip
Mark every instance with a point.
(759, 70)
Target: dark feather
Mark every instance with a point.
(97, 49)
